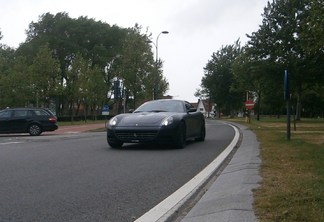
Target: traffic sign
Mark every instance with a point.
(249, 104)
(105, 110)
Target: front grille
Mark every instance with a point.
(136, 136)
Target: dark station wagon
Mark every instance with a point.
(27, 120)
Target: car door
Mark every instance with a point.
(198, 120)
(192, 121)
(4, 121)
(19, 121)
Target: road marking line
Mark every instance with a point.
(172, 203)
(7, 143)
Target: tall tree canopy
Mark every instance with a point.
(218, 78)
(66, 60)
(283, 40)
(289, 38)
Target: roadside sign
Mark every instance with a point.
(105, 110)
(249, 104)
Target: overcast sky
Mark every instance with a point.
(197, 28)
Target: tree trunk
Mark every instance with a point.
(298, 107)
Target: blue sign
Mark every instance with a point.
(105, 110)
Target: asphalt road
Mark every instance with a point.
(79, 178)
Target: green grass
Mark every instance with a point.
(292, 188)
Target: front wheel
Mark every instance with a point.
(34, 130)
(181, 136)
(115, 144)
(202, 134)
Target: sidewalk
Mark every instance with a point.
(230, 197)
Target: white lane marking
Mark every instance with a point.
(172, 203)
(7, 143)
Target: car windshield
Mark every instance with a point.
(161, 106)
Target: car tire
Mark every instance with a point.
(115, 144)
(202, 136)
(181, 136)
(34, 129)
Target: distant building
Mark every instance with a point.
(206, 107)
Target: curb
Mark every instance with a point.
(170, 205)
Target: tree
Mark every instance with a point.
(7, 58)
(137, 67)
(45, 77)
(159, 82)
(282, 41)
(15, 85)
(218, 79)
(311, 29)
(97, 42)
(255, 77)
(76, 62)
(92, 90)
(73, 90)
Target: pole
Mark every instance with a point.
(247, 111)
(287, 98)
(156, 67)
(155, 89)
(288, 119)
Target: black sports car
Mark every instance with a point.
(161, 121)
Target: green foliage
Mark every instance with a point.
(312, 30)
(219, 76)
(137, 62)
(137, 68)
(45, 77)
(73, 63)
(289, 38)
(13, 93)
(282, 41)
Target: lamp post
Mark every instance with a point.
(156, 63)
(157, 43)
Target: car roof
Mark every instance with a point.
(25, 108)
(180, 100)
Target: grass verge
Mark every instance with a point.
(292, 171)
(75, 123)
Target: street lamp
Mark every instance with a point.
(156, 62)
(156, 44)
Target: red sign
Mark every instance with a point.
(249, 104)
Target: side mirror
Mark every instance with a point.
(131, 110)
(192, 110)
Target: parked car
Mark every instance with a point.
(27, 120)
(159, 121)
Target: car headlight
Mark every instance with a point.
(113, 121)
(167, 121)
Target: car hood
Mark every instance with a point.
(143, 119)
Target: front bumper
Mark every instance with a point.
(142, 134)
